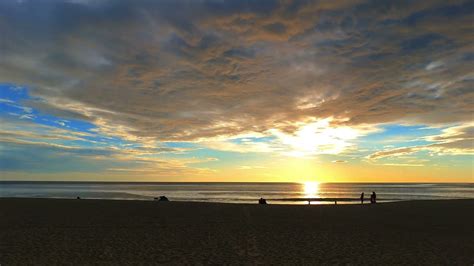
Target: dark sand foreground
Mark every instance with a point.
(80, 232)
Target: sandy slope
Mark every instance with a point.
(49, 231)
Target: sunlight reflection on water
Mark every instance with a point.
(310, 189)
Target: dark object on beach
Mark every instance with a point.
(335, 202)
(373, 198)
(362, 198)
(162, 198)
(78, 198)
(262, 201)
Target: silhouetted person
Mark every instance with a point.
(373, 198)
(262, 201)
(163, 198)
(78, 198)
(362, 198)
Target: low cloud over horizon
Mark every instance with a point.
(183, 90)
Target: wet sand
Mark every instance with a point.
(82, 232)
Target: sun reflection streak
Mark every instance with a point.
(311, 189)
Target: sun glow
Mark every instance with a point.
(311, 189)
(320, 137)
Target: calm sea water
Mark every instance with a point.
(234, 192)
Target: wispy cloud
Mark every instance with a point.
(456, 140)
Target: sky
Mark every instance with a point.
(237, 91)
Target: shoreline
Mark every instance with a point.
(70, 231)
(278, 202)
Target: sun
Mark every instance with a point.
(311, 188)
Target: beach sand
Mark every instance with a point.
(81, 232)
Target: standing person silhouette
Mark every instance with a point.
(373, 198)
(362, 198)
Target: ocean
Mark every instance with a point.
(275, 193)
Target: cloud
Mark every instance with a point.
(320, 137)
(404, 164)
(250, 167)
(311, 138)
(43, 157)
(154, 71)
(456, 140)
(242, 147)
(30, 156)
(393, 152)
(29, 147)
